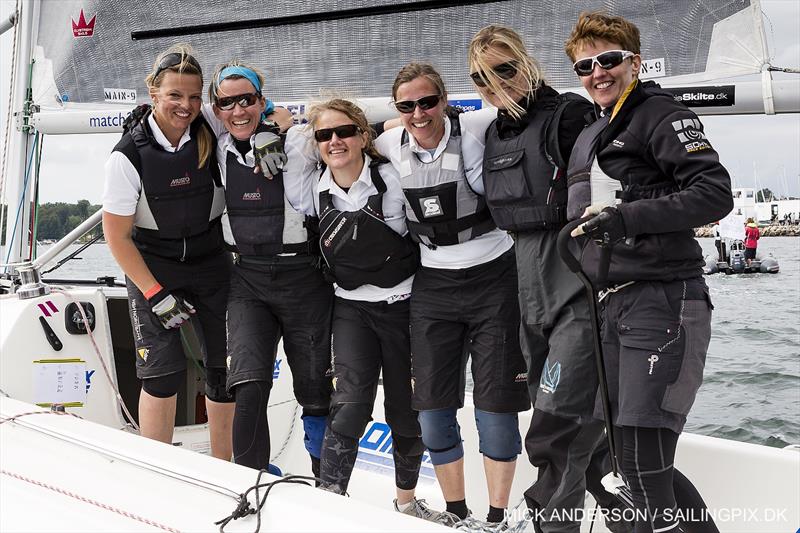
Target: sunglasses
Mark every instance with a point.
(343, 132)
(226, 103)
(173, 60)
(504, 71)
(424, 103)
(606, 60)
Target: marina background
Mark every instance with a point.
(751, 390)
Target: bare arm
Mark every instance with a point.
(117, 230)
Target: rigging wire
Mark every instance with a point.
(76, 252)
(3, 168)
(21, 204)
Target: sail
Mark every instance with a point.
(93, 51)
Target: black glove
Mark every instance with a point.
(268, 153)
(606, 228)
(172, 312)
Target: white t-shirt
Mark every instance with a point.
(486, 247)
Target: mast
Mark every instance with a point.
(19, 147)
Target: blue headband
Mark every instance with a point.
(244, 72)
(252, 77)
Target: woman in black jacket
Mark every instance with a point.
(666, 179)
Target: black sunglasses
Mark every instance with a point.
(504, 71)
(226, 103)
(343, 132)
(424, 103)
(173, 60)
(606, 60)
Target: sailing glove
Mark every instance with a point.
(607, 227)
(172, 312)
(268, 152)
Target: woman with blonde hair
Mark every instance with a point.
(524, 165)
(161, 217)
(367, 253)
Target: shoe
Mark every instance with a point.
(473, 525)
(420, 509)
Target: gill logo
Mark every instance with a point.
(431, 207)
(551, 375)
(653, 359)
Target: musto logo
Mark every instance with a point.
(249, 196)
(375, 453)
(180, 182)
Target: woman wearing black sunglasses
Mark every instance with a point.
(656, 307)
(525, 159)
(276, 291)
(161, 217)
(464, 295)
(369, 256)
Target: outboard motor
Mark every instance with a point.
(736, 258)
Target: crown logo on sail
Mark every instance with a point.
(83, 28)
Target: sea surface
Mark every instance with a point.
(751, 390)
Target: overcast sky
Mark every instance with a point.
(72, 166)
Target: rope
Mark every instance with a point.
(291, 429)
(90, 501)
(4, 419)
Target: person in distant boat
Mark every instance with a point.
(524, 167)
(719, 244)
(656, 308)
(464, 296)
(751, 236)
(162, 204)
(277, 290)
(368, 254)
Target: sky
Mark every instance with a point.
(767, 147)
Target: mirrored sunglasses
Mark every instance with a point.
(173, 60)
(606, 60)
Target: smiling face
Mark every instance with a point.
(605, 87)
(515, 88)
(427, 126)
(240, 121)
(176, 103)
(344, 156)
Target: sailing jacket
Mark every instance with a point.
(751, 236)
(524, 171)
(179, 210)
(671, 181)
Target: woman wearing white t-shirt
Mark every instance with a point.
(161, 218)
(464, 297)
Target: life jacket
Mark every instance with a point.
(587, 184)
(179, 202)
(524, 176)
(262, 220)
(441, 208)
(359, 248)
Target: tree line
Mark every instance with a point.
(54, 220)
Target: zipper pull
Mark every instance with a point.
(355, 231)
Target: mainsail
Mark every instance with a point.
(100, 51)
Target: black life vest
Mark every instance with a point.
(359, 248)
(524, 176)
(180, 206)
(441, 208)
(262, 220)
(587, 183)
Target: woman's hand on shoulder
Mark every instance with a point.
(282, 117)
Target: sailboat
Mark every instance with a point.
(71, 459)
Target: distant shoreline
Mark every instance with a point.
(772, 230)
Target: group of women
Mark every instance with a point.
(411, 254)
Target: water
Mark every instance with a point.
(751, 391)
